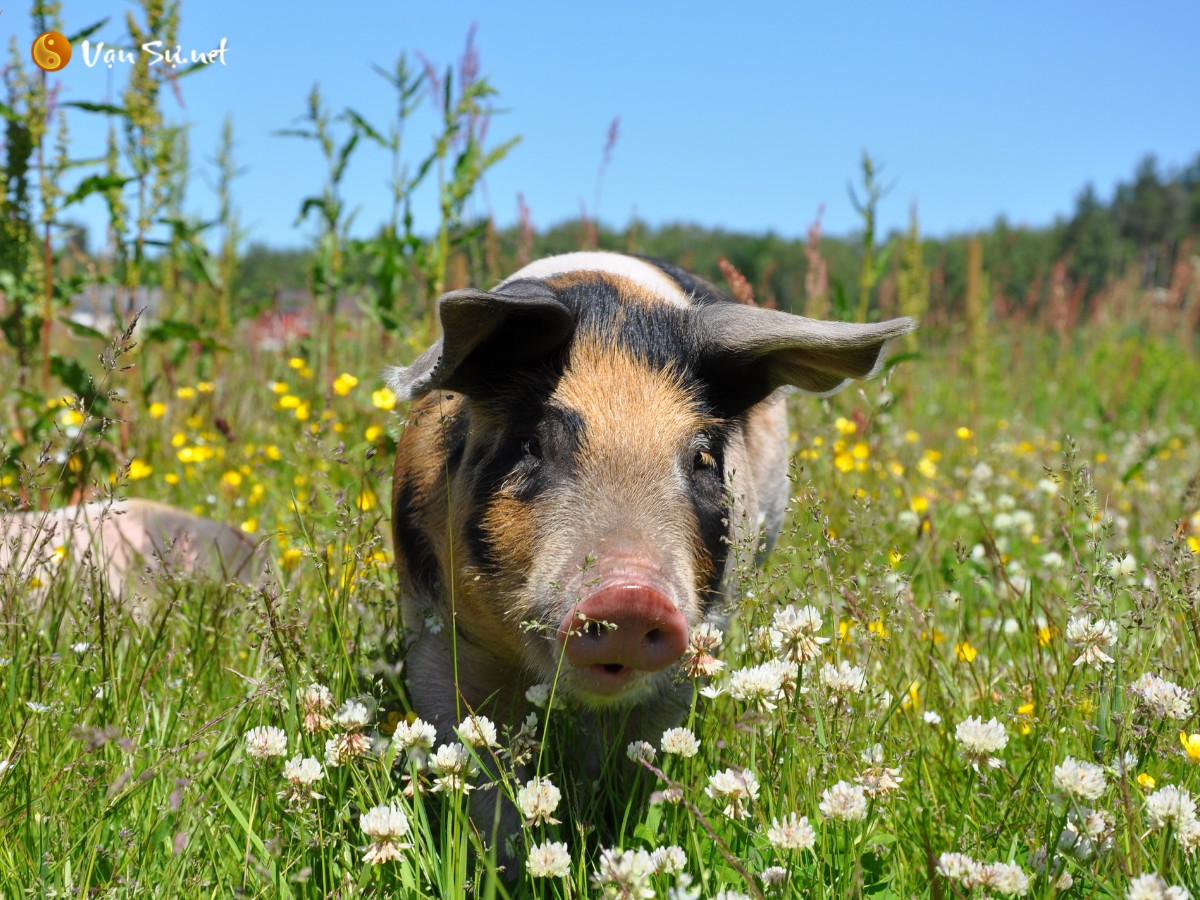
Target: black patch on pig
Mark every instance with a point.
(710, 504)
(411, 545)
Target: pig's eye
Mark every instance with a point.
(531, 447)
(704, 461)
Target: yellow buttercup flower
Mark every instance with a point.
(186, 393)
(1191, 745)
(383, 399)
(965, 652)
(845, 426)
(138, 469)
(344, 383)
(373, 432)
(963, 433)
(158, 410)
(1146, 780)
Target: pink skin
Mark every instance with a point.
(626, 626)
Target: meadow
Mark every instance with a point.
(968, 668)
(989, 563)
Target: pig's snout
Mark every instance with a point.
(621, 629)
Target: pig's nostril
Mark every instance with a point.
(653, 636)
(613, 668)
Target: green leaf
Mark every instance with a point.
(106, 108)
(365, 127)
(81, 330)
(95, 184)
(87, 32)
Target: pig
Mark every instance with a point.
(120, 537)
(591, 447)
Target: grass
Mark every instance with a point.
(945, 527)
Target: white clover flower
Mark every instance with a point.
(315, 702)
(698, 660)
(1171, 806)
(1052, 560)
(680, 742)
(794, 633)
(730, 894)
(844, 802)
(1092, 636)
(669, 860)
(453, 765)
(342, 748)
(265, 741)
(1003, 878)
(760, 685)
(417, 734)
(958, 867)
(477, 731)
(5, 765)
(979, 740)
(1151, 887)
(1188, 836)
(1079, 779)
(385, 825)
(931, 718)
(1122, 567)
(301, 773)
(878, 779)
(1087, 831)
(736, 788)
(1162, 698)
(548, 860)
(624, 874)
(353, 715)
(843, 679)
(538, 694)
(774, 878)
(641, 751)
(538, 800)
(792, 832)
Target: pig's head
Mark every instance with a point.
(597, 478)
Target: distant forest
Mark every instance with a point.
(1142, 241)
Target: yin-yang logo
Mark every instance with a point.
(51, 51)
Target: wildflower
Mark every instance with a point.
(1092, 637)
(736, 788)
(383, 399)
(1163, 698)
(1086, 831)
(1003, 878)
(342, 748)
(157, 410)
(537, 800)
(760, 685)
(301, 773)
(794, 633)
(1191, 745)
(668, 860)
(343, 384)
(698, 660)
(845, 802)
(548, 860)
(1151, 887)
(980, 740)
(453, 765)
(139, 469)
(680, 742)
(353, 715)
(792, 832)
(958, 867)
(385, 825)
(878, 779)
(641, 751)
(538, 694)
(265, 741)
(417, 734)
(315, 702)
(5, 765)
(1170, 806)
(523, 744)
(1079, 779)
(931, 718)
(1146, 780)
(624, 874)
(843, 679)
(965, 652)
(774, 878)
(1122, 567)
(477, 731)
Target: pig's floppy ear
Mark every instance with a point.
(485, 333)
(750, 352)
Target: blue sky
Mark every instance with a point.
(747, 116)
